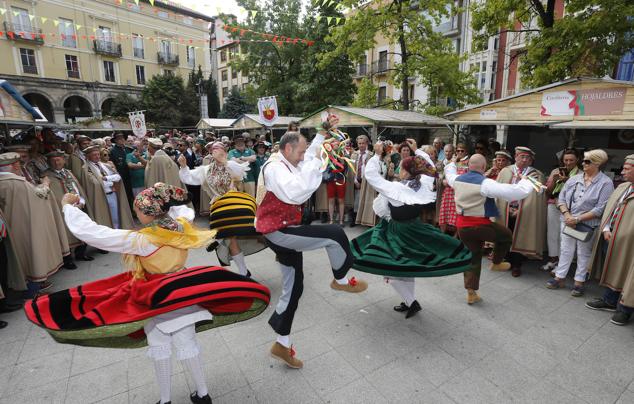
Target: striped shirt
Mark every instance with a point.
(580, 199)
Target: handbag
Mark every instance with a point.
(581, 232)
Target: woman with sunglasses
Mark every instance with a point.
(581, 201)
(568, 167)
(447, 214)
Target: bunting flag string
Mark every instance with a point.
(266, 36)
(269, 38)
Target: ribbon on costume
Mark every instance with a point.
(335, 155)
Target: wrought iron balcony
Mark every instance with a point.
(168, 58)
(379, 67)
(362, 70)
(29, 69)
(107, 48)
(23, 32)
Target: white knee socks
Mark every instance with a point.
(163, 368)
(405, 287)
(284, 340)
(241, 263)
(196, 370)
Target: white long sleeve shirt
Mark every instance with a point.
(114, 240)
(395, 193)
(493, 189)
(294, 185)
(109, 178)
(199, 174)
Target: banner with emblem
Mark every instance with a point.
(137, 122)
(267, 107)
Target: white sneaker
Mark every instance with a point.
(549, 266)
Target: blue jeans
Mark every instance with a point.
(612, 297)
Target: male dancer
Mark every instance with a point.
(475, 206)
(290, 180)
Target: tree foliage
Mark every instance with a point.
(213, 102)
(169, 103)
(235, 105)
(124, 103)
(289, 71)
(421, 51)
(588, 40)
(366, 96)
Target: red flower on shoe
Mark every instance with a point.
(353, 281)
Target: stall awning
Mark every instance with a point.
(508, 123)
(214, 123)
(593, 125)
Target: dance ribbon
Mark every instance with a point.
(335, 155)
(537, 186)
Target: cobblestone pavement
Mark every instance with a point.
(522, 343)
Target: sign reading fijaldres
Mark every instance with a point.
(595, 101)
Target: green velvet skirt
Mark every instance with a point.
(409, 249)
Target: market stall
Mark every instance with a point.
(391, 124)
(251, 123)
(216, 125)
(586, 113)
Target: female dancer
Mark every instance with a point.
(156, 300)
(231, 213)
(401, 246)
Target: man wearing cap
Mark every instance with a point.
(31, 225)
(41, 187)
(107, 201)
(161, 167)
(62, 181)
(612, 256)
(118, 155)
(241, 154)
(525, 218)
(77, 160)
(502, 160)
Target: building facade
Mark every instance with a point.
(378, 62)
(70, 58)
(224, 50)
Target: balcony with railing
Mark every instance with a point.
(379, 67)
(107, 48)
(168, 58)
(32, 69)
(362, 70)
(23, 32)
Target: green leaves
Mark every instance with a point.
(589, 39)
(169, 103)
(291, 71)
(417, 48)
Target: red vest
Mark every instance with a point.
(273, 214)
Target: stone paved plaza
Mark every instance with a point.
(522, 343)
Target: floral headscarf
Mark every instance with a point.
(416, 166)
(156, 201)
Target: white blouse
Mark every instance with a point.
(121, 241)
(198, 175)
(396, 193)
